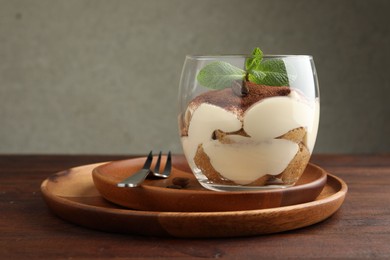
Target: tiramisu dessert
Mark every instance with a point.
(249, 131)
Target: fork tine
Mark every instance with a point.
(168, 166)
(148, 161)
(156, 171)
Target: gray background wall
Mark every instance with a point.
(94, 76)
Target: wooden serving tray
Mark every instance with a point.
(71, 195)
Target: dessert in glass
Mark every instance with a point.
(248, 122)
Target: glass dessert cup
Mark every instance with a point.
(248, 130)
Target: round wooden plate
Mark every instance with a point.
(72, 195)
(155, 194)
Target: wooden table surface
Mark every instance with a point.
(28, 230)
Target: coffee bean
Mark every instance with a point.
(244, 89)
(214, 136)
(239, 88)
(182, 182)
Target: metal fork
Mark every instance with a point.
(167, 169)
(138, 177)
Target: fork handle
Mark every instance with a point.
(135, 179)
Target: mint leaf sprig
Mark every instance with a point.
(253, 63)
(219, 74)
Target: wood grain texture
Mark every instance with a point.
(360, 229)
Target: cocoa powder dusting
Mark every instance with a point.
(228, 100)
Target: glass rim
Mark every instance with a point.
(237, 56)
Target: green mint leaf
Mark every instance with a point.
(270, 72)
(219, 75)
(256, 75)
(254, 62)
